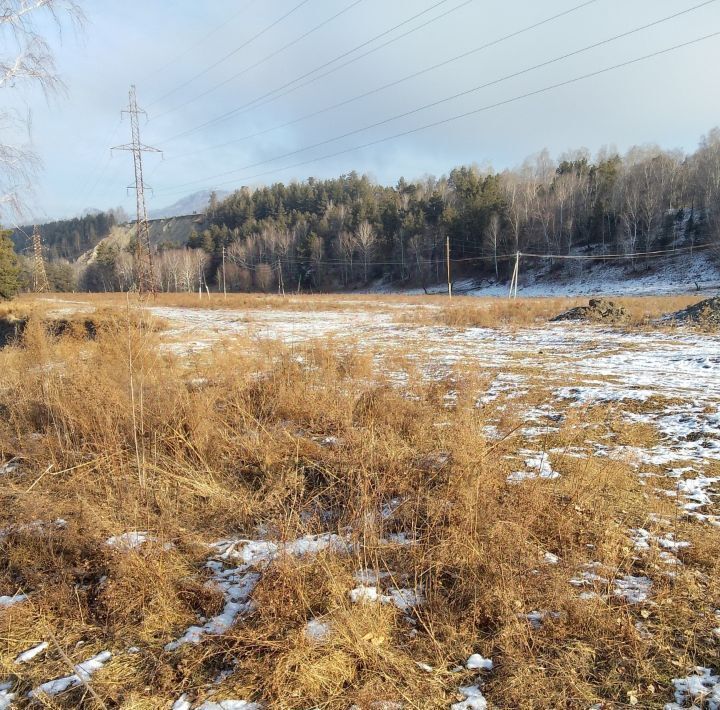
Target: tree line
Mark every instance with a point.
(350, 231)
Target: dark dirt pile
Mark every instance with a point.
(598, 310)
(12, 328)
(706, 312)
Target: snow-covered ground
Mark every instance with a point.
(685, 274)
(667, 381)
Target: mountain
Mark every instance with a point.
(191, 204)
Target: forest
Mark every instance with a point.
(349, 231)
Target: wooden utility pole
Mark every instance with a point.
(515, 275)
(281, 282)
(223, 268)
(447, 259)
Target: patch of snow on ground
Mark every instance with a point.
(6, 697)
(477, 662)
(701, 688)
(253, 552)
(317, 630)
(644, 540)
(403, 599)
(585, 395)
(182, 703)
(128, 541)
(11, 601)
(238, 583)
(474, 699)
(83, 673)
(538, 466)
(634, 590)
(31, 653)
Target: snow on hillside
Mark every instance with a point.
(699, 273)
(188, 205)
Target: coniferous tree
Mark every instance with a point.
(9, 269)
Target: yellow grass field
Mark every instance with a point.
(358, 502)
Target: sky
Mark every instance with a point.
(194, 62)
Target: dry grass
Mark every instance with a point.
(115, 436)
(434, 310)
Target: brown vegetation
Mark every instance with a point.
(113, 436)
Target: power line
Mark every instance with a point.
(306, 260)
(391, 84)
(631, 255)
(331, 61)
(432, 104)
(94, 177)
(193, 46)
(232, 53)
(266, 58)
(473, 112)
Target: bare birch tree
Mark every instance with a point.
(27, 61)
(365, 239)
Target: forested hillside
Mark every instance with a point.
(349, 231)
(69, 238)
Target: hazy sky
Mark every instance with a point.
(176, 51)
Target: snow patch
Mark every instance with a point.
(11, 601)
(182, 703)
(129, 540)
(634, 590)
(701, 688)
(83, 673)
(474, 699)
(6, 697)
(538, 466)
(317, 630)
(477, 662)
(31, 653)
(403, 599)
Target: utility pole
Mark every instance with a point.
(447, 259)
(515, 276)
(40, 279)
(223, 267)
(281, 283)
(143, 251)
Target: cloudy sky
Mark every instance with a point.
(257, 63)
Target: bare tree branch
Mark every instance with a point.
(31, 64)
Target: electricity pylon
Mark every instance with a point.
(143, 252)
(39, 276)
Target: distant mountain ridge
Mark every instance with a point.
(190, 204)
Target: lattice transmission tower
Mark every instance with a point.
(39, 275)
(143, 251)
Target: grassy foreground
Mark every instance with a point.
(262, 442)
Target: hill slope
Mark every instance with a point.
(191, 204)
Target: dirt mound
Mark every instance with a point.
(598, 310)
(706, 312)
(13, 327)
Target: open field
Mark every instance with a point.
(369, 502)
